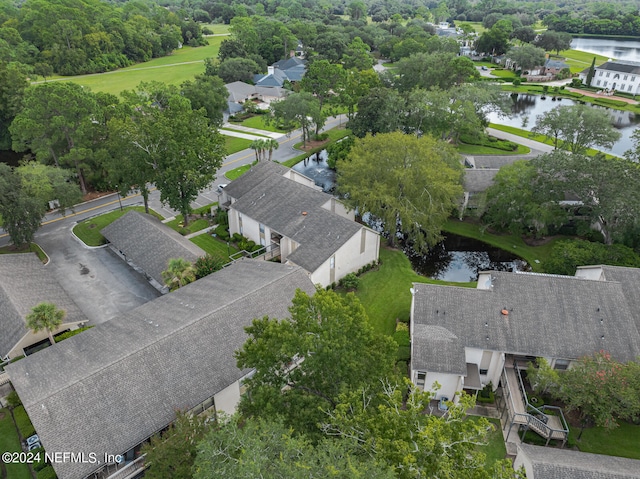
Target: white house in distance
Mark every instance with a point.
(619, 75)
(286, 213)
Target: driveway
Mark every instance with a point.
(102, 285)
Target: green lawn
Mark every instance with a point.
(89, 230)
(174, 69)
(237, 172)
(504, 73)
(487, 150)
(197, 225)
(214, 246)
(217, 28)
(10, 442)
(578, 60)
(384, 291)
(622, 441)
(495, 449)
(259, 123)
(511, 243)
(234, 145)
(25, 249)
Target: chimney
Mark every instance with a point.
(270, 70)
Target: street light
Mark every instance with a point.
(118, 193)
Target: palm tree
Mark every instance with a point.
(179, 273)
(258, 146)
(271, 145)
(45, 316)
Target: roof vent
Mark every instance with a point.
(304, 213)
(505, 312)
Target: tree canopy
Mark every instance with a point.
(412, 184)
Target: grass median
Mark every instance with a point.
(89, 230)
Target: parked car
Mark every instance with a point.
(221, 187)
(484, 68)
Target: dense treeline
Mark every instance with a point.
(71, 37)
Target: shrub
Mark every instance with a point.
(205, 265)
(41, 464)
(13, 400)
(47, 473)
(404, 353)
(400, 326)
(402, 338)
(350, 282)
(184, 231)
(23, 422)
(517, 82)
(69, 334)
(321, 136)
(403, 368)
(237, 237)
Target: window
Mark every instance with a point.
(625, 77)
(600, 74)
(261, 228)
(332, 262)
(363, 240)
(622, 87)
(608, 73)
(561, 364)
(484, 372)
(240, 223)
(629, 89)
(599, 81)
(633, 78)
(605, 83)
(422, 376)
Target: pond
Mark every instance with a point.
(460, 259)
(316, 168)
(526, 109)
(628, 50)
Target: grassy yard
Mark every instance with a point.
(25, 249)
(465, 149)
(237, 172)
(10, 442)
(384, 292)
(513, 244)
(174, 69)
(495, 449)
(89, 230)
(214, 246)
(504, 73)
(622, 441)
(234, 145)
(197, 225)
(578, 60)
(259, 123)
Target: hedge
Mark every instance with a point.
(47, 473)
(23, 422)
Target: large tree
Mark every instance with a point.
(377, 112)
(577, 128)
(555, 41)
(58, 124)
(323, 80)
(411, 184)
(45, 316)
(21, 213)
(304, 363)
(442, 70)
(48, 184)
(207, 92)
(299, 110)
(527, 56)
(13, 83)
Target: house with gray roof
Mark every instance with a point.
(148, 244)
(24, 283)
(241, 92)
(291, 69)
(286, 213)
(549, 463)
(467, 338)
(109, 389)
(619, 75)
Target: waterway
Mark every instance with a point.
(617, 49)
(526, 109)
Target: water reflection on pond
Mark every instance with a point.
(460, 259)
(316, 168)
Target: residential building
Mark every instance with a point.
(284, 211)
(24, 283)
(148, 245)
(291, 70)
(550, 463)
(240, 93)
(618, 75)
(108, 389)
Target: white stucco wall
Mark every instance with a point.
(340, 209)
(523, 460)
(349, 259)
(449, 384)
(620, 81)
(227, 400)
(32, 338)
(590, 272)
(303, 180)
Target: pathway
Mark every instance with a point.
(237, 134)
(593, 94)
(255, 131)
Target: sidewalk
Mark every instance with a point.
(255, 131)
(595, 95)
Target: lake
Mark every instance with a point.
(618, 49)
(526, 109)
(316, 168)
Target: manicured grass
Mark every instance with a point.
(477, 26)
(579, 60)
(217, 28)
(26, 249)
(234, 145)
(237, 172)
(504, 73)
(89, 230)
(384, 291)
(10, 442)
(214, 246)
(180, 66)
(511, 243)
(541, 138)
(259, 123)
(622, 441)
(487, 150)
(197, 225)
(495, 449)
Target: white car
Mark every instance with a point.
(221, 187)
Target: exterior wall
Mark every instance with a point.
(340, 209)
(523, 461)
(494, 368)
(227, 400)
(349, 259)
(590, 272)
(31, 338)
(234, 226)
(450, 384)
(627, 82)
(303, 180)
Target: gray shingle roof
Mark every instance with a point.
(288, 63)
(111, 387)
(148, 243)
(552, 463)
(620, 66)
(438, 350)
(239, 91)
(24, 283)
(629, 278)
(266, 196)
(478, 179)
(549, 315)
